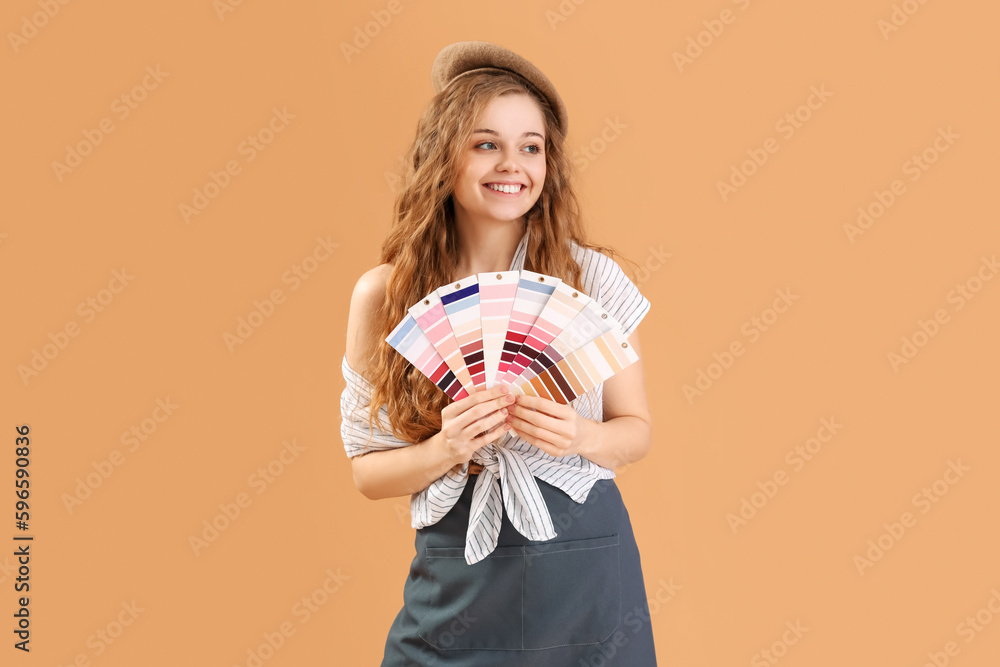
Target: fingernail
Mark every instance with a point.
(510, 398)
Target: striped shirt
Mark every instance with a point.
(511, 464)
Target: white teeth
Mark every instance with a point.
(505, 188)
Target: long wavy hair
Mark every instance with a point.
(422, 244)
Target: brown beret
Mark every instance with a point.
(461, 58)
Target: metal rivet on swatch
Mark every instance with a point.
(604, 316)
(541, 279)
(427, 302)
(499, 276)
(575, 294)
(624, 344)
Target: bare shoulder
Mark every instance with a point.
(372, 283)
(366, 300)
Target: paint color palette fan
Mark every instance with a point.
(528, 330)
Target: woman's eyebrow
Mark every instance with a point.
(497, 134)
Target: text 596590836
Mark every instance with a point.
(22, 543)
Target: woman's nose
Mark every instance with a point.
(508, 161)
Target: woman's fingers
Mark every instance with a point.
(493, 415)
(478, 414)
(491, 434)
(478, 397)
(490, 401)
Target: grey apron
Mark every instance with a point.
(575, 601)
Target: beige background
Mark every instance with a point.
(661, 137)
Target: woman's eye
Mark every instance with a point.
(491, 145)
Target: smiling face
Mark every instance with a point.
(503, 167)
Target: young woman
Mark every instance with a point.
(524, 550)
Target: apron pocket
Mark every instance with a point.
(474, 606)
(523, 597)
(572, 592)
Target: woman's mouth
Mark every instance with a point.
(505, 190)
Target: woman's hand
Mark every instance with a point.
(555, 428)
(463, 422)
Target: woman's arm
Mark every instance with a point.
(393, 472)
(625, 436)
(411, 469)
(400, 472)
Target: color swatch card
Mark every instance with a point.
(533, 290)
(461, 306)
(496, 300)
(414, 345)
(562, 306)
(589, 323)
(582, 370)
(524, 329)
(433, 321)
